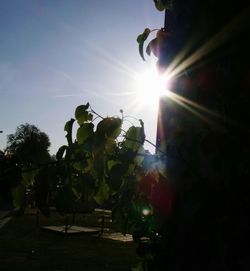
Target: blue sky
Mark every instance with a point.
(57, 54)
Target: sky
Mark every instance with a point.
(57, 54)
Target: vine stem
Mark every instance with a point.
(181, 158)
(148, 141)
(92, 111)
(165, 19)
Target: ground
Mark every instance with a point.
(26, 247)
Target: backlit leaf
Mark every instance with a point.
(141, 39)
(84, 132)
(60, 152)
(18, 195)
(68, 128)
(102, 194)
(110, 145)
(82, 115)
(152, 47)
(134, 138)
(162, 4)
(109, 127)
(76, 193)
(68, 125)
(140, 156)
(111, 163)
(28, 176)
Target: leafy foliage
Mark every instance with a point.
(158, 44)
(103, 165)
(29, 145)
(162, 4)
(141, 39)
(26, 149)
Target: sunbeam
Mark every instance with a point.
(190, 109)
(228, 32)
(205, 114)
(111, 60)
(195, 105)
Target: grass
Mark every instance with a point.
(25, 247)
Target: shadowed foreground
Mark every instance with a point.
(24, 247)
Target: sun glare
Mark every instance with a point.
(150, 86)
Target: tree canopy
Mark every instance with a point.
(28, 144)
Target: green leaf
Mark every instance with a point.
(110, 146)
(28, 176)
(141, 39)
(102, 194)
(84, 132)
(112, 163)
(109, 128)
(152, 47)
(68, 128)
(139, 267)
(18, 196)
(89, 165)
(141, 51)
(82, 115)
(80, 165)
(162, 4)
(68, 125)
(140, 156)
(159, 5)
(134, 138)
(76, 193)
(131, 169)
(60, 152)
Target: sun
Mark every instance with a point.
(150, 87)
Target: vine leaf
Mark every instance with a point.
(102, 194)
(112, 163)
(141, 39)
(140, 156)
(134, 138)
(28, 176)
(109, 128)
(82, 115)
(68, 128)
(60, 152)
(76, 193)
(162, 4)
(110, 146)
(18, 195)
(152, 47)
(84, 132)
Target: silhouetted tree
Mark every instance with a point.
(29, 145)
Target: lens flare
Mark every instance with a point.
(146, 212)
(150, 86)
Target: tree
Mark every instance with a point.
(29, 145)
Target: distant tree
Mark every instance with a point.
(29, 145)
